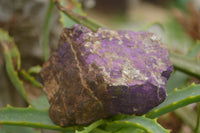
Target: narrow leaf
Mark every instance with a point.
(17, 129)
(146, 124)
(65, 20)
(40, 102)
(91, 127)
(34, 69)
(176, 80)
(176, 99)
(194, 50)
(5, 39)
(185, 64)
(31, 79)
(98, 130)
(10, 53)
(130, 130)
(29, 117)
(79, 18)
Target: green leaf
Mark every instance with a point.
(98, 130)
(91, 127)
(65, 20)
(185, 64)
(194, 50)
(40, 102)
(10, 53)
(31, 79)
(75, 14)
(34, 69)
(176, 80)
(17, 129)
(130, 130)
(39, 119)
(29, 117)
(176, 99)
(140, 122)
(5, 39)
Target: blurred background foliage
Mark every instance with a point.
(177, 22)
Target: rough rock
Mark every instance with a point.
(99, 74)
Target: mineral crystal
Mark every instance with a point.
(99, 74)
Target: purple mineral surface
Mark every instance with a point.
(122, 72)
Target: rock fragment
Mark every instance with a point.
(95, 75)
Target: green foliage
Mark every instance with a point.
(176, 99)
(194, 50)
(91, 127)
(14, 119)
(34, 69)
(137, 122)
(65, 20)
(191, 66)
(76, 15)
(40, 102)
(97, 130)
(30, 78)
(32, 117)
(11, 54)
(179, 79)
(17, 129)
(176, 80)
(130, 130)
(28, 117)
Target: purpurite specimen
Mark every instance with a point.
(95, 75)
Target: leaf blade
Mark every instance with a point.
(29, 117)
(140, 122)
(78, 17)
(176, 99)
(10, 52)
(17, 129)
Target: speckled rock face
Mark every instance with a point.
(98, 74)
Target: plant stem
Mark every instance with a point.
(46, 50)
(31, 79)
(185, 64)
(92, 126)
(11, 52)
(77, 18)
